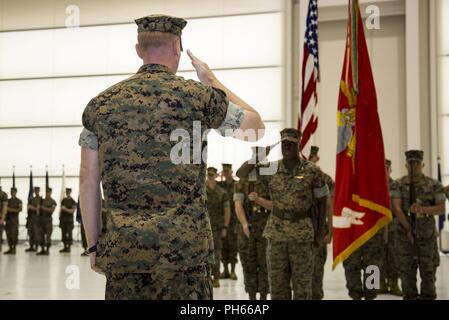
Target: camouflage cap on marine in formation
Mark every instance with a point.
(13, 189)
(161, 23)
(212, 170)
(37, 188)
(290, 134)
(414, 155)
(227, 166)
(388, 162)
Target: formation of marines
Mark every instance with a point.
(285, 225)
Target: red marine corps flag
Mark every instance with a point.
(362, 201)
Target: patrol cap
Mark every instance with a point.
(68, 189)
(49, 190)
(290, 134)
(414, 155)
(37, 189)
(161, 23)
(211, 170)
(13, 189)
(388, 162)
(314, 151)
(227, 166)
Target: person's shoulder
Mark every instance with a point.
(434, 183)
(403, 180)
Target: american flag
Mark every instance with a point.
(308, 115)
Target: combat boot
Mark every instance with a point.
(30, 249)
(216, 281)
(394, 288)
(8, 251)
(41, 253)
(225, 273)
(263, 296)
(47, 252)
(383, 287)
(13, 250)
(233, 276)
(63, 250)
(68, 249)
(84, 254)
(252, 296)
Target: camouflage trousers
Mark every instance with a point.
(370, 254)
(45, 225)
(66, 225)
(290, 263)
(319, 256)
(1, 233)
(423, 256)
(229, 247)
(252, 253)
(12, 229)
(33, 229)
(192, 285)
(389, 268)
(217, 252)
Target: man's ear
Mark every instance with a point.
(139, 51)
(176, 46)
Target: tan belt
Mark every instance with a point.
(291, 215)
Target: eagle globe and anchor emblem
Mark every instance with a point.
(347, 143)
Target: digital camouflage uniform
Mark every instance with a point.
(32, 222)
(45, 222)
(252, 250)
(157, 222)
(3, 201)
(356, 267)
(289, 229)
(389, 268)
(12, 223)
(370, 254)
(217, 201)
(66, 221)
(229, 248)
(320, 253)
(423, 255)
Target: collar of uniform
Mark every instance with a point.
(283, 169)
(151, 67)
(415, 180)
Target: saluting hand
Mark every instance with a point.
(203, 71)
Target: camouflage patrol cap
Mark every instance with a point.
(314, 151)
(414, 155)
(290, 134)
(13, 189)
(388, 162)
(227, 166)
(49, 190)
(68, 189)
(37, 188)
(161, 23)
(212, 170)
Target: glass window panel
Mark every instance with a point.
(261, 88)
(62, 101)
(40, 147)
(239, 41)
(49, 101)
(110, 49)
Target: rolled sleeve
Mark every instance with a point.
(321, 192)
(227, 204)
(215, 108)
(233, 120)
(88, 140)
(239, 197)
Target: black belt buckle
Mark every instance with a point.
(291, 216)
